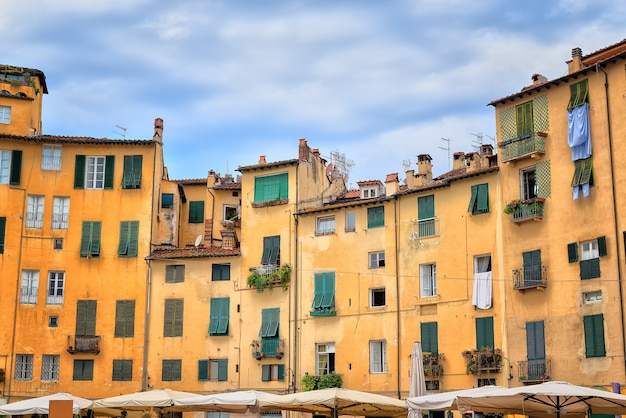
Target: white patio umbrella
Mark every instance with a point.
(417, 385)
(447, 400)
(142, 401)
(547, 398)
(238, 402)
(41, 405)
(338, 401)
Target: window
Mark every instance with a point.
(528, 183)
(377, 297)
(23, 367)
(231, 213)
(486, 382)
(429, 332)
(196, 212)
(524, 119)
(268, 188)
(273, 372)
(369, 192)
(350, 221)
(325, 358)
(30, 286)
(583, 172)
(376, 217)
(51, 157)
(10, 167)
(167, 200)
(173, 318)
(533, 274)
(579, 94)
(86, 317)
(124, 318)
(5, 115)
(34, 212)
(90, 239)
(325, 225)
(376, 259)
(50, 364)
(594, 335)
(213, 369)
(56, 283)
(220, 315)
(175, 273)
(270, 321)
(60, 212)
(83, 370)
(426, 216)
(428, 280)
(592, 297)
(94, 172)
(129, 239)
(482, 263)
(378, 356)
(3, 225)
(535, 350)
(122, 370)
(131, 176)
(324, 292)
(58, 243)
(484, 332)
(220, 272)
(171, 370)
(479, 200)
(590, 253)
(53, 321)
(271, 251)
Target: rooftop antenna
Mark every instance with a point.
(479, 140)
(341, 163)
(447, 149)
(121, 128)
(406, 164)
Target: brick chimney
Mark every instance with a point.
(576, 63)
(391, 183)
(262, 160)
(158, 130)
(303, 150)
(410, 178)
(424, 169)
(458, 160)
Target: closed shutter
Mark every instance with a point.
(429, 337)
(269, 323)
(594, 335)
(426, 207)
(484, 332)
(328, 300)
(535, 342)
(86, 317)
(281, 372)
(222, 370)
(524, 119)
(203, 370)
(124, 318)
(109, 171)
(79, 172)
(173, 318)
(196, 212)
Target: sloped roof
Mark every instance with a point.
(166, 253)
(87, 140)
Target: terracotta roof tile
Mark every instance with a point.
(199, 252)
(80, 139)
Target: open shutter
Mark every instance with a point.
(319, 290)
(272, 330)
(109, 171)
(214, 318)
(123, 246)
(602, 251)
(483, 198)
(127, 173)
(133, 239)
(79, 172)
(266, 317)
(3, 225)
(472, 201)
(94, 246)
(16, 167)
(328, 300)
(137, 166)
(281, 372)
(222, 370)
(224, 309)
(275, 252)
(572, 252)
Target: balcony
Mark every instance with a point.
(534, 371)
(83, 344)
(485, 360)
(432, 364)
(529, 278)
(269, 347)
(267, 276)
(525, 210)
(527, 146)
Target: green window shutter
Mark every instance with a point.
(3, 225)
(167, 200)
(16, 167)
(222, 370)
(578, 167)
(281, 373)
(124, 318)
(131, 176)
(203, 370)
(178, 318)
(268, 188)
(133, 239)
(79, 172)
(483, 198)
(535, 343)
(602, 251)
(524, 120)
(594, 335)
(271, 250)
(275, 321)
(579, 94)
(224, 316)
(218, 324)
(86, 317)
(220, 272)
(583, 170)
(265, 373)
(472, 204)
(376, 217)
(117, 371)
(426, 207)
(123, 370)
(572, 252)
(123, 245)
(429, 336)
(196, 212)
(173, 318)
(175, 273)
(328, 300)
(318, 294)
(484, 332)
(94, 246)
(137, 169)
(83, 370)
(109, 171)
(265, 322)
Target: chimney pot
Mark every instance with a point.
(262, 160)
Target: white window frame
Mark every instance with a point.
(51, 158)
(350, 221)
(30, 287)
(60, 212)
(50, 365)
(5, 115)
(428, 280)
(94, 173)
(375, 290)
(230, 208)
(34, 211)
(525, 186)
(378, 356)
(480, 261)
(325, 225)
(592, 297)
(56, 288)
(324, 358)
(24, 367)
(5, 166)
(376, 259)
(589, 250)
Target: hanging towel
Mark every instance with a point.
(579, 134)
(481, 297)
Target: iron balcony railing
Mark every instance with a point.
(532, 371)
(534, 276)
(268, 347)
(427, 227)
(524, 146)
(531, 209)
(83, 344)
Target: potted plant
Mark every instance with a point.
(308, 382)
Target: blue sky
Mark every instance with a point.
(379, 81)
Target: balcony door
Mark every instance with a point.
(536, 350)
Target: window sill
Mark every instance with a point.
(321, 234)
(323, 313)
(270, 203)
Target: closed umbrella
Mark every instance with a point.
(417, 386)
(41, 405)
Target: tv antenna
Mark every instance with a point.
(121, 128)
(447, 149)
(339, 161)
(406, 164)
(479, 140)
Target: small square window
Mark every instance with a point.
(53, 321)
(167, 200)
(377, 297)
(325, 225)
(592, 297)
(58, 243)
(377, 259)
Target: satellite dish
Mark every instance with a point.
(198, 240)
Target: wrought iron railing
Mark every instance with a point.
(268, 347)
(523, 146)
(83, 344)
(531, 277)
(534, 370)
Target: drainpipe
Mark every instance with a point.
(296, 271)
(396, 214)
(615, 224)
(146, 331)
(212, 216)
